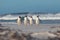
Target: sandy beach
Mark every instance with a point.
(34, 27)
(30, 32)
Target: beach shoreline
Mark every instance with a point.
(30, 32)
(34, 27)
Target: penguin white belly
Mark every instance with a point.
(25, 21)
(31, 21)
(37, 21)
(19, 21)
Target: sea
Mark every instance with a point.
(45, 18)
(49, 22)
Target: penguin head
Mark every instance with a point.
(25, 16)
(30, 16)
(37, 16)
(19, 16)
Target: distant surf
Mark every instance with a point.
(45, 18)
(42, 16)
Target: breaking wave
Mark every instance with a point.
(48, 16)
(8, 17)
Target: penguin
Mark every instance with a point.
(19, 20)
(37, 20)
(25, 20)
(31, 20)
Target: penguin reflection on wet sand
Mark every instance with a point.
(25, 20)
(31, 20)
(19, 20)
(37, 20)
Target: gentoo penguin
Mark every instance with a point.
(19, 20)
(31, 20)
(37, 20)
(25, 20)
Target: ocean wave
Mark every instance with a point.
(8, 17)
(48, 16)
(8, 23)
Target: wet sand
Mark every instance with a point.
(30, 32)
(34, 27)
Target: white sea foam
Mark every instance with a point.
(48, 16)
(8, 23)
(8, 17)
(41, 16)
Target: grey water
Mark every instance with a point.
(41, 15)
(41, 21)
